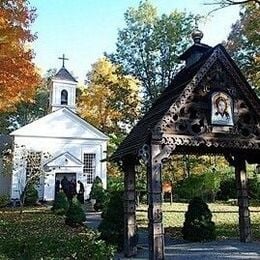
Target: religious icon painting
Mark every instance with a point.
(221, 109)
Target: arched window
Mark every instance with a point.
(64, 97)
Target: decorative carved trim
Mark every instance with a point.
(188, 121)
(164, 153)
(238, 80)
(144, 153)
(208, 141)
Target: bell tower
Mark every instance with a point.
(63, 89)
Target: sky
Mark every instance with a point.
(84, 29)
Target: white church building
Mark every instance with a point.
(64, 144)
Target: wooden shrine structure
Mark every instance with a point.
(209, 108)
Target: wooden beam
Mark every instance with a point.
(130, 235)
(242, 193)
(155, 226)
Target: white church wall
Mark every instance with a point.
(54, 147)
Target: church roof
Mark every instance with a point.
(62, 123)
(144, 129)
(63, 74)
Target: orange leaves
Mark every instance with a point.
(18, 75)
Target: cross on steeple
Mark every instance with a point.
(63, 60)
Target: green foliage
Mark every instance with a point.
(26, 112)
(31, 195)
(4, 200)
(227, 190)
(112, 224)
(205, 185)
(75, 215)
(98, 193)
(61, 204)
(149, 45)
(115, 183)
(243, 43)
(225, 217)
(40, 235)
(198, 225)
(254, 188)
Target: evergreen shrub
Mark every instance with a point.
(227, 190)
(112, 224)
(198, 225)
(31, 196)
(75, 215)
(98, 193)
(61, 204)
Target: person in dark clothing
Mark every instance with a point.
(57, 187)
(65, 185)
(73, 186)
(80, 195)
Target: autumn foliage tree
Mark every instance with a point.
(18, 75)
(110, 101)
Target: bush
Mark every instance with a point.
(112, 224)
(31, 196)
(61, 204)
(4, 200)
(198, 225)
(98, 193)
(75, 215)
(254, 188)
(205, 185)
(227, 190)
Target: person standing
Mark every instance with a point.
(80, 194)
(65, 185)
(57, 187)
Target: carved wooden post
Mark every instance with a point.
(156, 231)
(130, 240)
(242, 193)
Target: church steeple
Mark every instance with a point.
(63, 89)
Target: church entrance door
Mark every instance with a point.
(67, 182)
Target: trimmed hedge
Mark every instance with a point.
(75, 215)
(198, 225)
(61, 204)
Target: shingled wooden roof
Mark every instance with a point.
(174, 94)
(63, 74)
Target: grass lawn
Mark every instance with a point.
(39, 234)
(225, 217)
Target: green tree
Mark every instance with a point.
(243, 43)
(149, 45)
(26, 112)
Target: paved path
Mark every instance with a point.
(221, 249)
